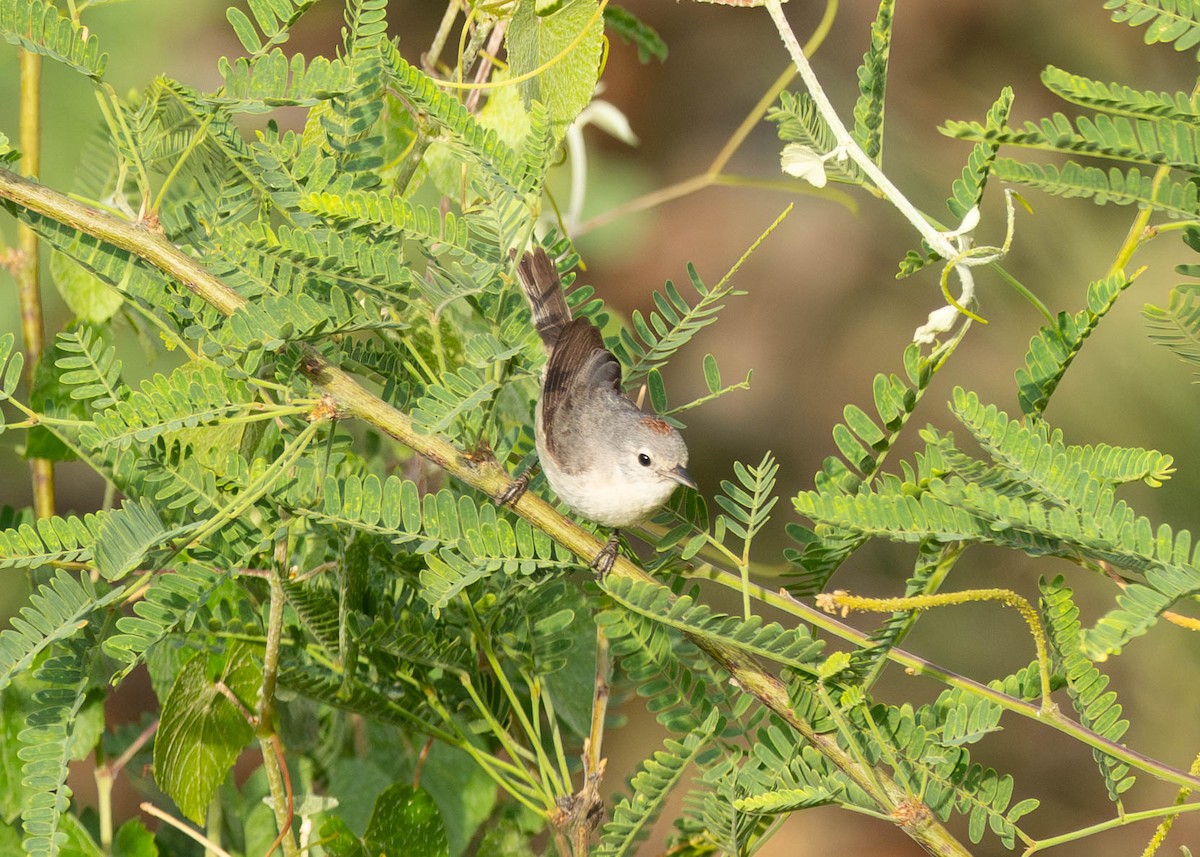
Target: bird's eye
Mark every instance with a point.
(643, 459)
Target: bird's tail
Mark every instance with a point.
(544, 290)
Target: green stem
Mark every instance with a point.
(1111, 824)
(850, 735)
(282, 797)
(550, 779)
(919, 666)
(27, 271)
(1164, 827)
(1020, 288)
(104, 785)
(540, 693)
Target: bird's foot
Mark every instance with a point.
(515, 490)
(604, 560)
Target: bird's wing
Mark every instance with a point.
(579, 366)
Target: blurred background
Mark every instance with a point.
(822, 315)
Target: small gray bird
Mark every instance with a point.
(605, 458)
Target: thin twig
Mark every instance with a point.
(186, 829)
(115, 767)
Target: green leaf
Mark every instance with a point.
(1178, 326)
(657, 390)
(134, 840)
(126, 536)
(1171, 21)
(872, 85)
(16, 705)
(464, 794)
(88, 296)
(406, 821)
(339, 840)
(784, 800)
(356, 783)
(38, 26)
(244, 30)
(1053, 349)
(712, 374)
(563, 48)
(201, 732)
(635, 31)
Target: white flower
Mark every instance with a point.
(802, 162)
(940, 321)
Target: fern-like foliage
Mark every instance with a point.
(1053, 348)
(462, 541)
(1143, 128)
(1102, 135)
(1042, 497)
(271, 322)
(274, 18)
(393, 213)
(186, 398)
(872, 84)
(38, 26)
(1118, 98)
(54, 613)
(682, 691)
(126, 536)
(1177, 327)
(311, 261)
(1097, 710)
(1171, 21)
(952, 783)
(712, 821)
(171, 603)
(794, 648)
(800, 122)
(459, 399)
(671, 325)
(632, 29)
(45, 752)
(864, 445)
(748, 502)
(49, 540)
(92, 369)
(967, 190)
(1173, 198)
(658, 775)
(502, 164)
(273, 80)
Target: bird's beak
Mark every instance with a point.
(681, 476)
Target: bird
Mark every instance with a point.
(605, 458)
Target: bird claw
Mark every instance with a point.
(604, 560)
(515, 490)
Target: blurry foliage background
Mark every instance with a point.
(823, 314)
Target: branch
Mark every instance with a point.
(482, 473)
(27, 267)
